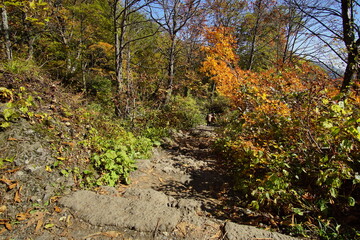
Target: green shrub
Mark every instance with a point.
(307, 162)
(99, 87)
(115, 151)
(21, 66)
(18, 105)
(183, 113)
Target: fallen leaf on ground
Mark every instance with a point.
(37, 218)
(54, 199)
(57, 209)
(3, 208)
(111, 234)
(3, 221)
(22, 216)
(39, 223)
(49, 225)
(17, 197)
(71, 144)
(8, 182)
(3, 230)
(8, 226)
(13, 170)
(12, 186)
(13, 139)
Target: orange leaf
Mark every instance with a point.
(3, 221)
(39, 223)
(8, 226)
(54, 199)
(22, 216)
(68, 144)
(2, 230)
(57, 209)
(3, 208)
(12, 139)
(12, 186)
(6, 181)
(13, 170)
(17, 197)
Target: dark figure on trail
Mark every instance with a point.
(210, 118)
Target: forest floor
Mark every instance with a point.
(180, 193)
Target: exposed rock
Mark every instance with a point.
(235, 231)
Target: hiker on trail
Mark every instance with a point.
(210, 119)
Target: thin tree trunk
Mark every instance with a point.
(254, 39)
(352, 45)
(351, 71)
(5, 25)
(118, 61)
(171, 71)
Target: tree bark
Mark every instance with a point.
(119, 51)
(171, 69)
(5, 25)
(255, 32)
(352, 45)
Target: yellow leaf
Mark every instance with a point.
(50, 225)
(32, 4)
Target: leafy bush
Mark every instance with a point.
(114, 153)
(292, 146)
(17, 103)
(99, 87)
(183, 112)
(303, 163)
(20, 66)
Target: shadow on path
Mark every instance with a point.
(208, 181)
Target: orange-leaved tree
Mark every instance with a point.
(293, 144)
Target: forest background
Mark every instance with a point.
(281, 77)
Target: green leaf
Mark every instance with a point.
(356, 178)
(333, 192)
(8, 113)
(298, 211)
(327, 124)
(5, 125)
(351, 201)
(323, 205)
(49, 225)
(111, 154)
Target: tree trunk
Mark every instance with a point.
(5, 25)
(352, 46)
(254, 39)
(119, 79)
(351, 70)
(171, 71)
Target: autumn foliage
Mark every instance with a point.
(293, 144)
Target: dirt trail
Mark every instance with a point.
(174, 195)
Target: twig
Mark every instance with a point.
(156, 228)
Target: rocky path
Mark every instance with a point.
(174, 195)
